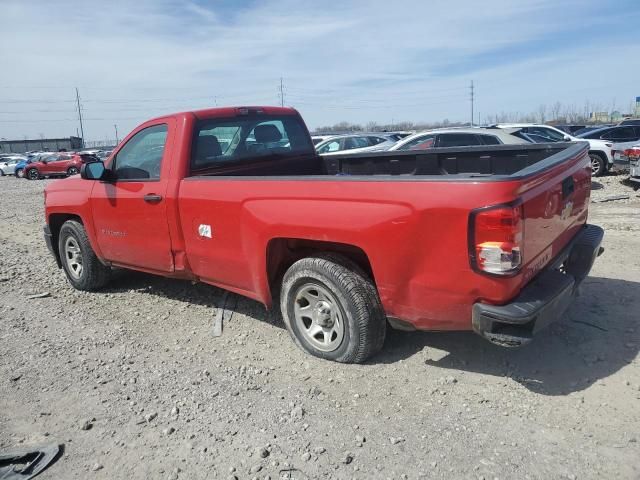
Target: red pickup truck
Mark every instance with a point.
(490, 238)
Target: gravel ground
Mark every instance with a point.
(132, 382)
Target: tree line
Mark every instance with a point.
(554, 114)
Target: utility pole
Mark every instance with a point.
(80, 118)
(471, 88)
(281, 93)
(116, 127)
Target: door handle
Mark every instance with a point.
(152, 198)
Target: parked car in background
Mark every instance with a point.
(630, 121)
(8, 164)
(571, 129)
(589, 128)
(624, 154)
(599, 150)
(104, 154)
(364, 142)
(316, 139)
(457, 137)
(58, 165)
(618, 134)
(633, 154)
(31, 158)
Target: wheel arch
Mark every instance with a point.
(283, 252)
(55, 222)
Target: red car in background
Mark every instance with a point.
(59, 164)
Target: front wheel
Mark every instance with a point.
(72, 171)
(598, 165)
(33, 174)
(20, 173)
(80, 263)
(332, 310)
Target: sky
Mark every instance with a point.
(355, 61)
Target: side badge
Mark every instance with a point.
(204, 230)
(567, 210)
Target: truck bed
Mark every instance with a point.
(512, 161)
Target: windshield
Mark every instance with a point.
(223, 141)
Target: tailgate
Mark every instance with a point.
(555, 206)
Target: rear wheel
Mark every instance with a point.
(332, 310)
(33, 174)
(72, 171)
(598, 165)
(1, 173)
(20, 173)
(79, 261)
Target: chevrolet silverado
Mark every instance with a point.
(486, 238)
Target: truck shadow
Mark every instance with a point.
(598, 336)
(191, 293)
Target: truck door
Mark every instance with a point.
(129, 210)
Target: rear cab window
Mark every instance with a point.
(220, 141)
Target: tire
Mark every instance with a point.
(598, 165)
(72, 171)
(19, 173)
(74, 248)
(33, 174)
(339, 316)
(1, 173)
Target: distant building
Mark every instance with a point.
(637, 112)
(44, 144)
(616, 116)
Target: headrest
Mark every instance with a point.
(207, 146)
(267, 133)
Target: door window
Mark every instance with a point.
(332, 146)
(549, 134)
(355, 142)
(420, 143)
(623, 133)
(141, 157)
(489, 139)
(457, 140)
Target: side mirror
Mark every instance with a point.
(567, 138)
(92, 171)
(45, 162)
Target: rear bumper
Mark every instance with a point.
(621, 164)
(543, 300)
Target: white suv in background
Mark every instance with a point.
(599, 150)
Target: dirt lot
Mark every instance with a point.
(132, 382)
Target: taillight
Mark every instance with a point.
(496, 239)
(632, 153)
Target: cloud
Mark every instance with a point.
(354, 61)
